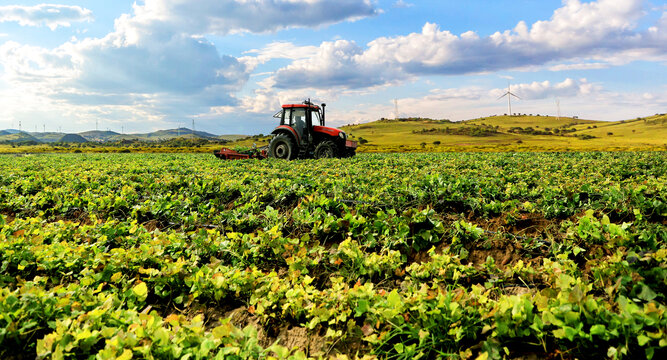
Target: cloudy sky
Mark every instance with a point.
(229, 64)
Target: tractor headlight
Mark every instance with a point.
(342, 135)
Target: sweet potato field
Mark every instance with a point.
(398, 256)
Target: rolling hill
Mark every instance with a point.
(98, 135)
(73, 138)
(107, 136)
(47, 137)
(511, 133)
(19, 137)
(494, 133)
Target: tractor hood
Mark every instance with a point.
(329, 131)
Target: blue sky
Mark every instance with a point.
(229, 64)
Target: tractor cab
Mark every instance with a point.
(302, 134)
(300, 118)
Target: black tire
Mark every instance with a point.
(282, 147)
(350, 153)
(326, 149)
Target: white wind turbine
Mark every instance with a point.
(509, 95)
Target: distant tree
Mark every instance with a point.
(437, 142)
(610, 133)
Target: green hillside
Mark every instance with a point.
(73, 138)
(99, 135)
(511, 133)
(20, 137)
(47, 137)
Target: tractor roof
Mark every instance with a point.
(311, 106)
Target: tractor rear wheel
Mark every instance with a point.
(326, 149)
(282, 147)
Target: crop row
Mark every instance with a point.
(166, 256)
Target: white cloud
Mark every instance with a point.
(579, 66)
(277, 50)
(157, 63)
(45, 15)
(545, 89)
(577, 97)
(257, 16)
(603, 31)
(403, 4)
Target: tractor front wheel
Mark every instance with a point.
(282, 147)
(326, 149)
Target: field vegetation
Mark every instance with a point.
(494, 133)
(401, 256)
(511, 133)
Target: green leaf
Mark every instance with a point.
(141, 291)
(362, 307)
(605, 220)
(611, 352)
(394, 299)
(126, 355)
(647, 294)
(570, 333)
(598, 329)
(643, 339)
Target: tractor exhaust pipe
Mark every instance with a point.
(323, 106)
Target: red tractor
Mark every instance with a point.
(297, 136)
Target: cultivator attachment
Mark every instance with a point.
(229, 154)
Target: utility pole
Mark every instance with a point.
(43, 127)
(558, 107)
(95, 125)
(193, 126)
(19, 125)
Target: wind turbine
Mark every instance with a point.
(509, 95)
(396, 108)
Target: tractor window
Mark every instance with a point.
(298, 120)
(316, 117)
(279, 115)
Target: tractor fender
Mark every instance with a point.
(289, 131)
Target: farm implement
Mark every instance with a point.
(297, 137)
(229, 154)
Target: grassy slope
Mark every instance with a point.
(649, 134)
(17, 137)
